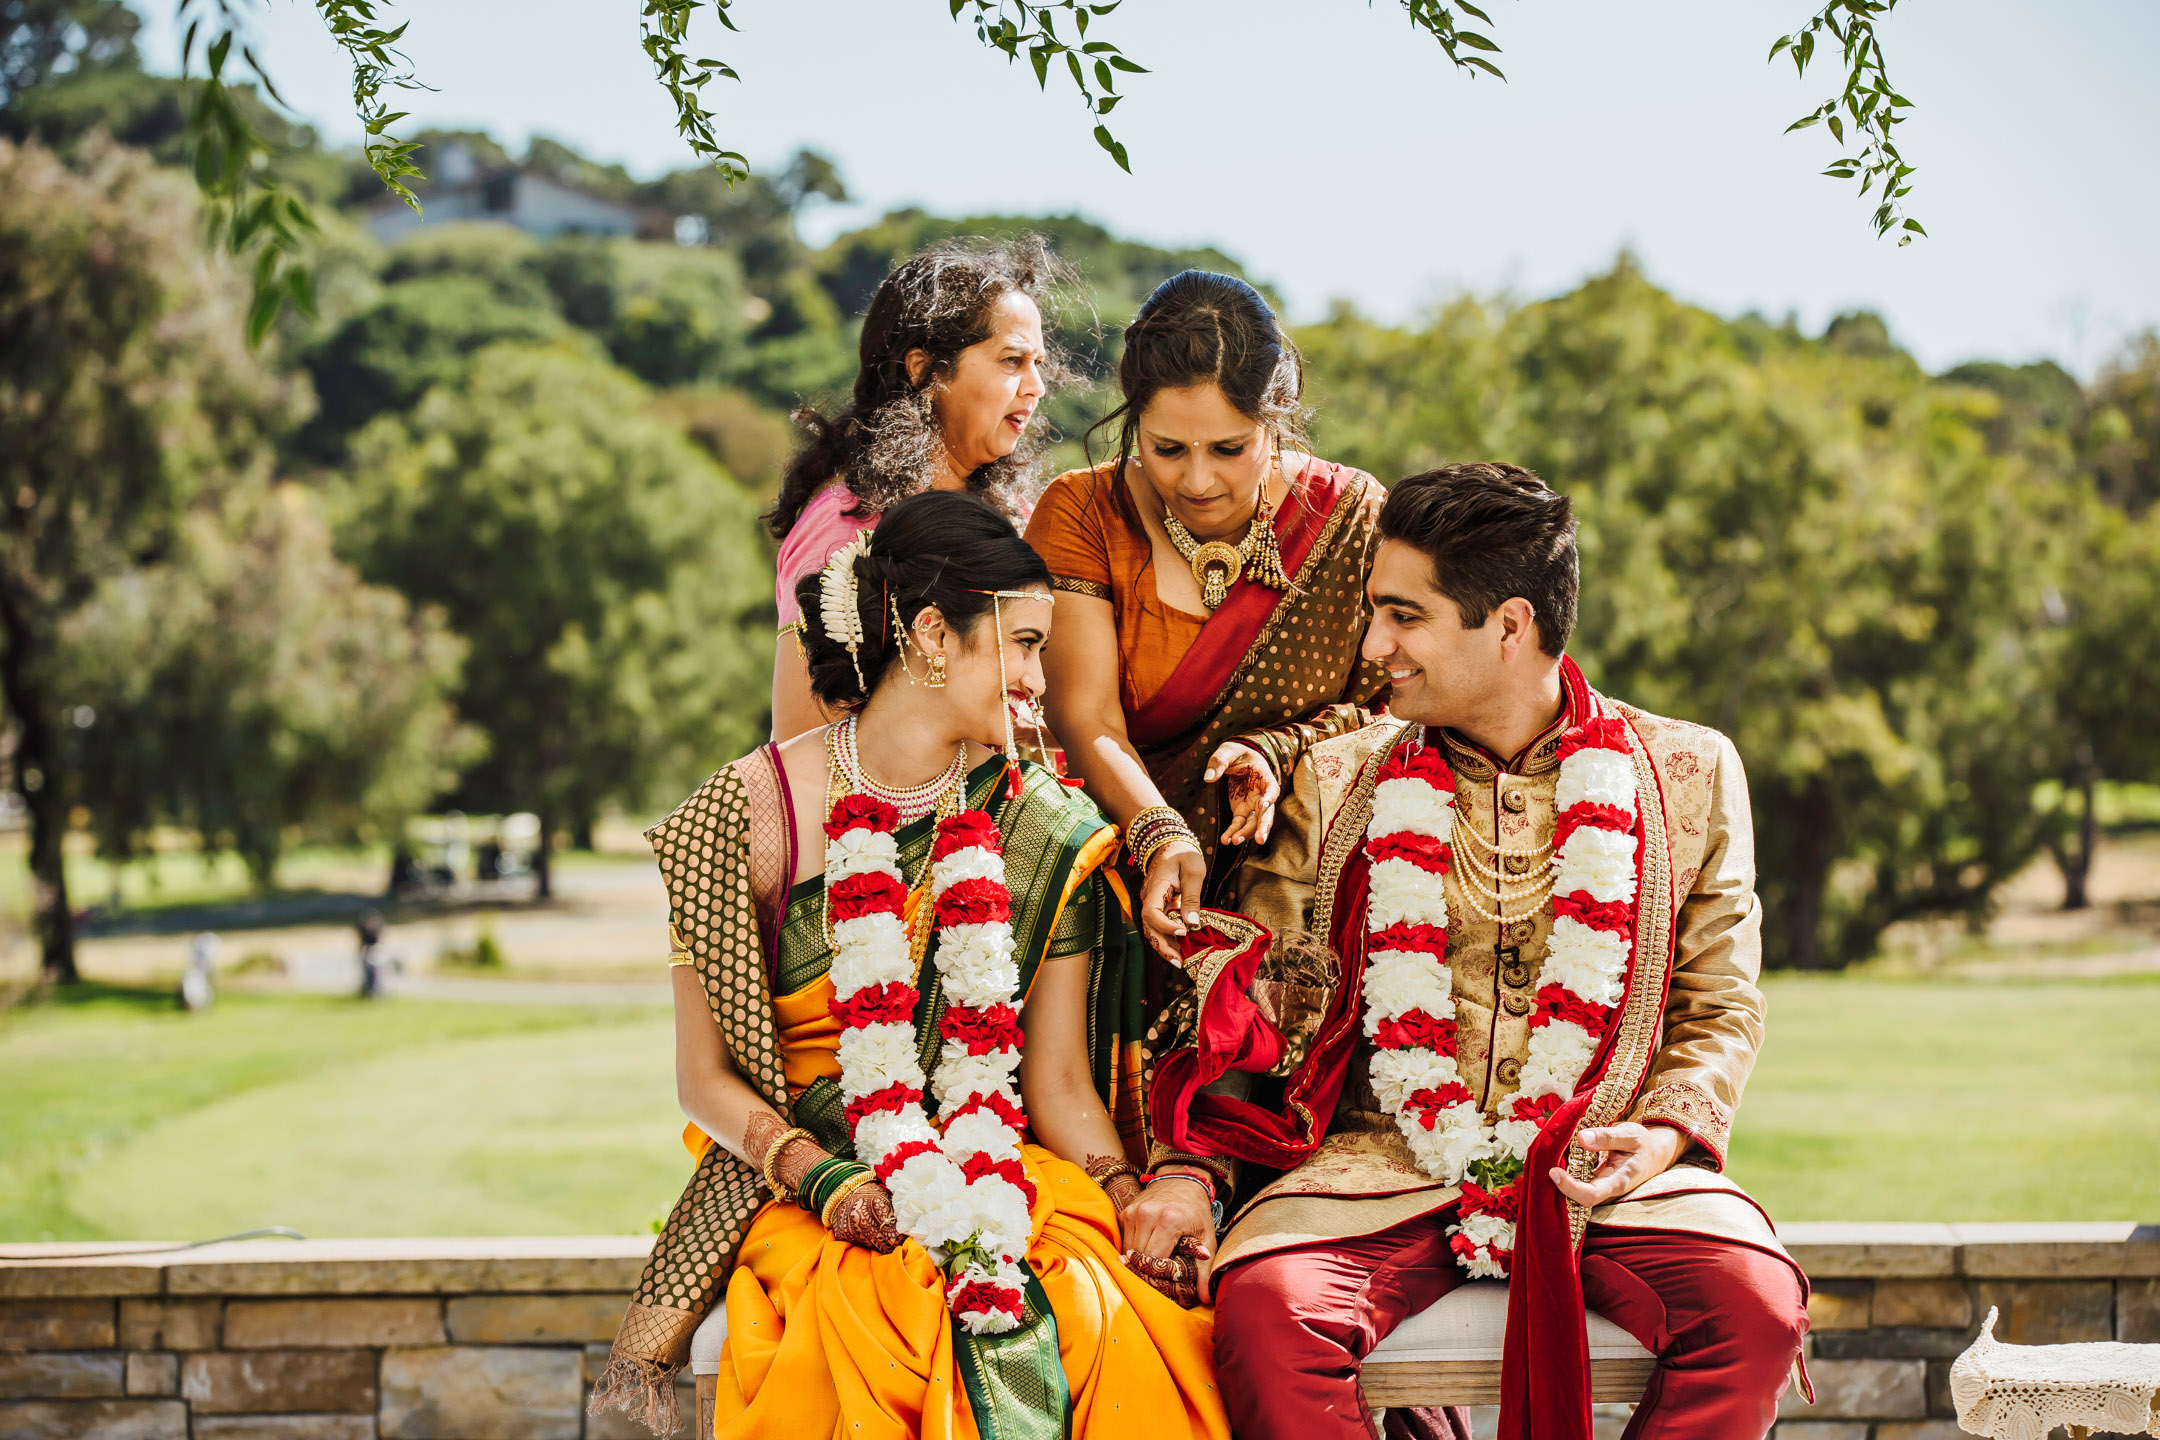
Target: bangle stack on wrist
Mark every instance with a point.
(1151, 830)
(772, 1157)
(829, 1182)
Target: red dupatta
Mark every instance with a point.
(1226, 639)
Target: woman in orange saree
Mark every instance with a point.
(1217, 584)
(848, 1311)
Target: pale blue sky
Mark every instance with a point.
(1337, 154)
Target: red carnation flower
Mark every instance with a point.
(978, 1165)
(1613, 916)
(1415, 1027)
(1557, 1002)
(974, 902)
(892, 1003)
(1504, 1203)
(1597, 817)
(1419, 762)
(982, 1297)
(1540, 1108)
(1608, 732)
(1424, 1106)
(1427, 852)
(900, 1154)
(1431, 939)
(865, 894)
(894, 1097)
(1004, 1109)
(968, 828)
(861, 812)
(994, 1027)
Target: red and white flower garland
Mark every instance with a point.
(1410, 1008)
(959, 1188)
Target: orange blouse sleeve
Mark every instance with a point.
(1067, 531)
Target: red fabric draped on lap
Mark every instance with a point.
(1184, 698)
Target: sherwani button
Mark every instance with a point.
(1516, 1005)
(1510, 1070)
(1522, 930)
(1515, 800)
(1516, 864)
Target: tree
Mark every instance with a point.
(130, 394)
(1807, 544)
(43, 40)
(250, 685)
(605, 573)
(2120, 437)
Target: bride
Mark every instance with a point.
(907, 1017)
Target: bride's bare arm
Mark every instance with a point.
(1068, 1116)
(725, 1106)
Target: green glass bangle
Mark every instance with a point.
(826, 1178)
(806, 1188)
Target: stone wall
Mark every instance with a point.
(479, 1339)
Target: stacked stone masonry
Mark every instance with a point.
(495, 1339)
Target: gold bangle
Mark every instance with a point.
(847, 1187)
(1155, 846)
(772, 1154)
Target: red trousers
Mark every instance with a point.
(1291, 1329)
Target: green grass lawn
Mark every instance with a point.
(1875, 1100)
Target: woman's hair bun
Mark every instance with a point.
(940, 548)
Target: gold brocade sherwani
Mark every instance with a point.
(1699, 852)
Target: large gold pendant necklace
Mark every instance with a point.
(1217, 564)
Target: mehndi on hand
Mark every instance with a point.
(1176, 1275)
(865, 1218)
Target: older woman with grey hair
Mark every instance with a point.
(953, 369)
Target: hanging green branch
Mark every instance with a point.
(250, 213)
(666, 30)
(1439, 21)
(246, 210)
(1869, 104)
(377, 63)
(1012, 26)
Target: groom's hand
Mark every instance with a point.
(1628, 1155)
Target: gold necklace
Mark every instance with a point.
(912, 801)
(1217, 564)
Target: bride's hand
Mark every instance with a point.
(1254, 789)
(865, 1218)
(1169, 1238)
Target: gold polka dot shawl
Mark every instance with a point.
(723, 855)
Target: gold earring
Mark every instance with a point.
(937, 672)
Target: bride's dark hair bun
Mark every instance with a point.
(938, 548)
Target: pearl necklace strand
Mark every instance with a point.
(912, 801)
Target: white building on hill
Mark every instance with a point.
(461, 188)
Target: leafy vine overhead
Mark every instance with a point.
(256, 218)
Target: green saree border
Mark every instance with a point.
(1014, 1382)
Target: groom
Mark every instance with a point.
(1541, 903)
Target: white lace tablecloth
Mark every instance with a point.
(2021, 1392)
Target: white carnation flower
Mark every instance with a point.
(876, 1056)
(1457, 1141)
(869, 951)
(881, 1132)
(1481, 1266)
(1413, 805)
(1515, 1136)
(981, 1132)
(961, 1075)
(1485, 1229)
(1399, 981)
(1398, 1074)
(1599, 861)
(930, 1199)
(1596, 777)
(862, 852)
(977, 965)
(1403, 894)
(999, 1220)
(970, 863)
(1557, 1057)
(1585, 962)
